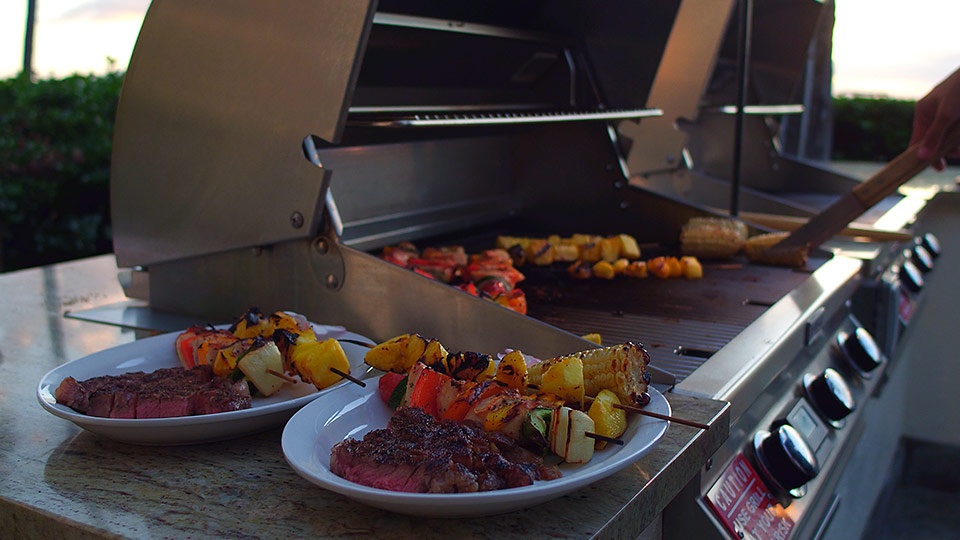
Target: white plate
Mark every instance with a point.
(158, 352)
(309, 436)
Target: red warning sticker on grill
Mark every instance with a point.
(742, 502)
(905, 309)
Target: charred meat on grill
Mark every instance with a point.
(162, 393)
(419, 454)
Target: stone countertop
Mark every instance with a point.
(59, 480)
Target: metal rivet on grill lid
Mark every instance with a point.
(296, 220)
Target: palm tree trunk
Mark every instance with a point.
(28, 40)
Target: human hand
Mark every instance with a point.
(933, 116)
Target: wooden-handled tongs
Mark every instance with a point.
(861, 198)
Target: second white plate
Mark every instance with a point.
(313, 431)
(158, 352)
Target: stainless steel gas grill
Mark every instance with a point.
(264, 155)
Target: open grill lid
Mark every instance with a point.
(438, 105)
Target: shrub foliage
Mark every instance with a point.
(870, 129)
(55, 141)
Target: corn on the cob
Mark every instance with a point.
(758, 250)
(712, 237)
(621, 369)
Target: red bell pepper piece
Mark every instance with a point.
(424, 391)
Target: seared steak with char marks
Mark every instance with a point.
(159, 394)
(417, 453)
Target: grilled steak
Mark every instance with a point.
(159, 394)
(417, 453)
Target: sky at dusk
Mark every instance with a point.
(881, 47)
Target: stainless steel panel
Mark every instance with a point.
(334, 284)
(215, 105)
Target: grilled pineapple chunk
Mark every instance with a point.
(291, 322)
(692, 269)
(398, 354)
(435, 356)
(226, 360)
(512, 370)
(252, 324)
(257, 364)
(561, 376)
(313, 361)
(608, 420)
(629, 249)
(471, 366)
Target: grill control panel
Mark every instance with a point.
(798, 450)
(887, 305)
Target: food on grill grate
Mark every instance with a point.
(587, 248)
(713, 237)
(490, 274)
(265, 350)
(761, 249)
(162, 393)
(417, 453)
(619, 368)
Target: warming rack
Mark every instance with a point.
(501, 118)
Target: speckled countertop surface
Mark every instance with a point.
(59, 480)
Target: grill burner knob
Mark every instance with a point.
(910, 277)
(786, 459)
(921, 258)
(830, 395)
(931, 244)
(862, 351)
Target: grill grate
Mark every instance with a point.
(699, 316)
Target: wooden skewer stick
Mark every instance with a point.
(349, 377)
(356, 342)
(652, 414)
(604, 438)
(283, 376)
(290, 379)
(644, 412)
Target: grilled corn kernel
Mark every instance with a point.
(758, 250)
(712, 237)
(621, 369)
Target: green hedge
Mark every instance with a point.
(870, 129)
(55, 140)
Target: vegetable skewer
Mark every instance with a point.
(267, 351)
